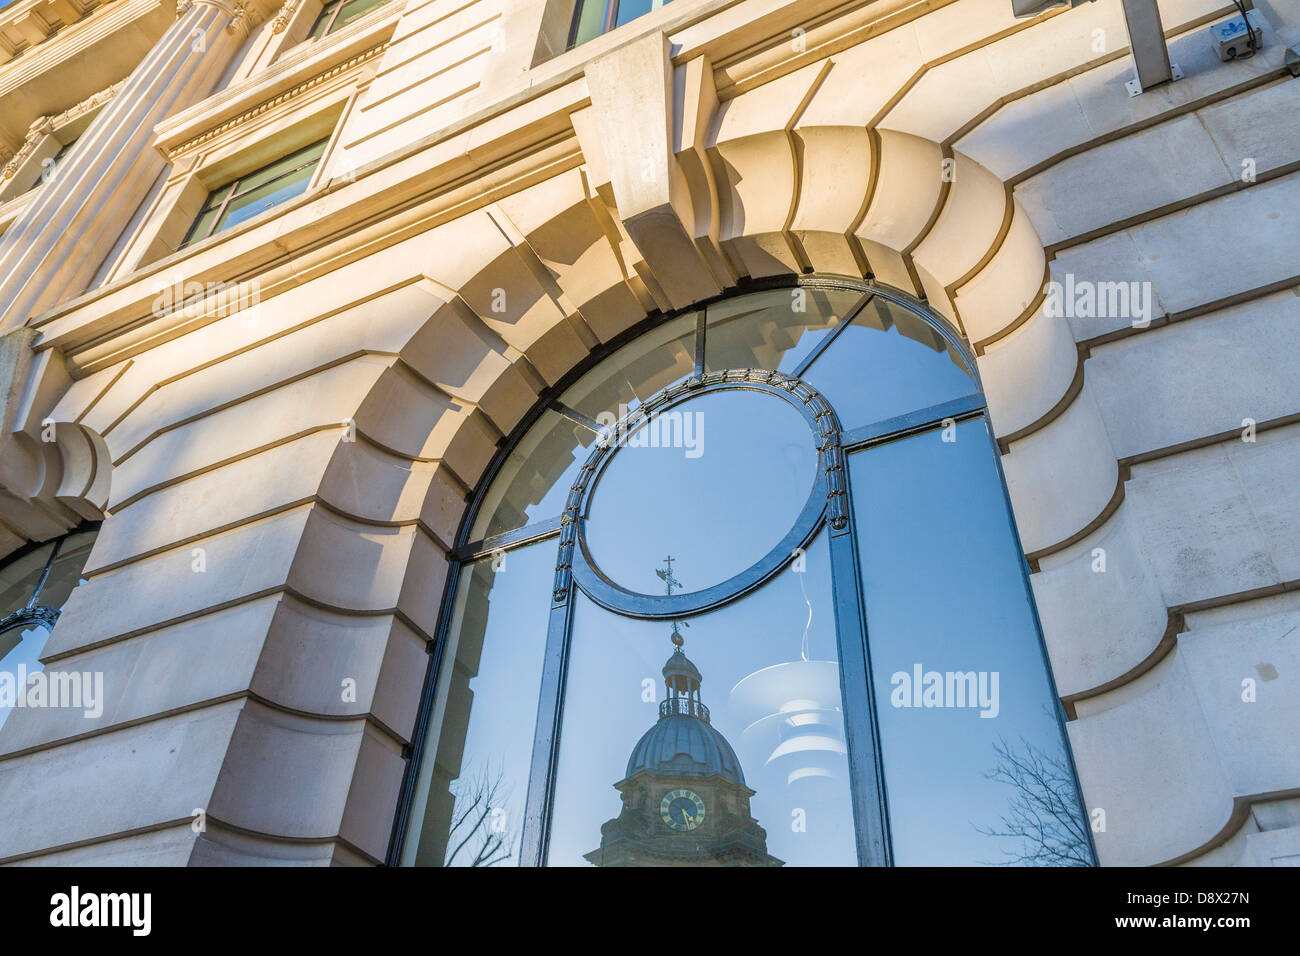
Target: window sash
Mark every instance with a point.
(213, 216)
(333, 16)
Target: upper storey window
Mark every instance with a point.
(591, 18)
(256, 192)
(337, 14)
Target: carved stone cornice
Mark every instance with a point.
(88, 104)
(43, 126)
(270, 104)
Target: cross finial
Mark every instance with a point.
(666, 575)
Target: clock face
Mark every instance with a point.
(682, 809)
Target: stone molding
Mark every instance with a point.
(173, 152)
(281, 21)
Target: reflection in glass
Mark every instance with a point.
(629, 10)
(730, 753)
(775, 329)
(20, 578)
(588, 20)
(888, 362)
(591, 18)
(974, 755)
(636, 371)
(469, 801)
(65, 569)
(535, 479)
(20, 652)
(33, 587)
(273, 184)
(718, 479)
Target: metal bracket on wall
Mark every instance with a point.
(1146, 41)
(1134, 86)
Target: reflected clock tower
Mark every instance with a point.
(685, 802)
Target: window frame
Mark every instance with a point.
(33, 613)
(608, 23)
(865, 754)
(338, 5)
(232, 191)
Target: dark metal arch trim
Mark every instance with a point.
(828, 499)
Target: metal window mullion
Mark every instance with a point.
(274, 179)
(611, 16)
(701, 341)
(508, 540)
(45, 575)
(922, 418)
(333, 17)
(221, 210)
(573, 415)
(535, 837)
(816, 353)
(861, 728)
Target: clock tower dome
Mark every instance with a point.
(685, 802)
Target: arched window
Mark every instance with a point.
(35, 583)
(747, 591)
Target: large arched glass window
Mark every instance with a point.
(747, 592)
(35, 583)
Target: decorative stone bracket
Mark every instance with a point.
(653, 171)
(53, 476)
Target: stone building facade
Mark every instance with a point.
(280, 423)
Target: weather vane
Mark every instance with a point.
(666, 575)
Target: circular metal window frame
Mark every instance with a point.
(827, 499)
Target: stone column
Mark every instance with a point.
(52, 252)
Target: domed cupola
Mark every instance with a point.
(683, 741)
(684, 796)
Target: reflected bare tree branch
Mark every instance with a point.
(1044, 815)
(480, 822)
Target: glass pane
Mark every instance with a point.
(534, 482)
(590, 20)
(202, 225)
(18, 578)
(323, 21)
(280, 167)
(732, 753)
(889, 361)
(973, 751)
(629, 10)
(20, 651)
(65, 573)
(635, 372)
(773, 330)
(469, 799)
(716, 481)
(265, 197)
(353, 11)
